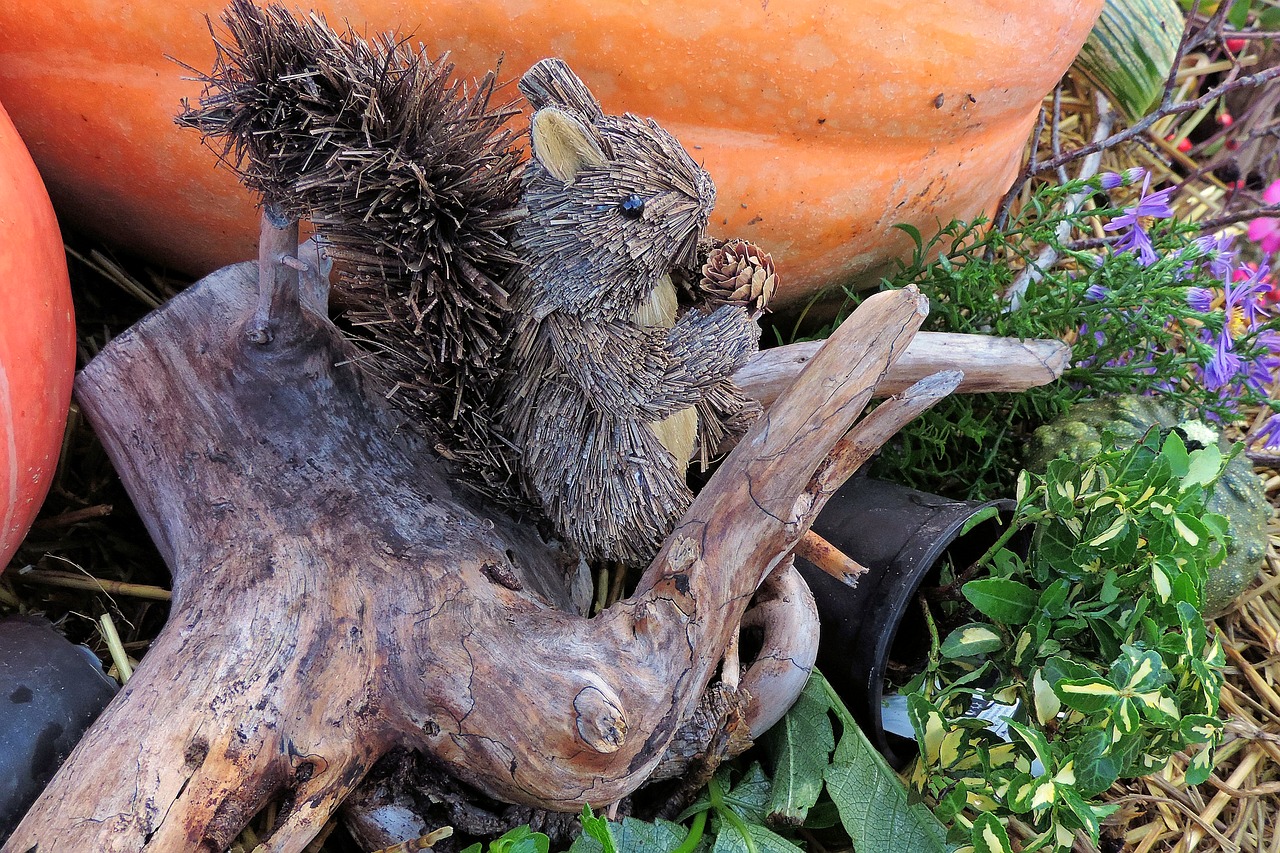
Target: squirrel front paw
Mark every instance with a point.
(731, 334)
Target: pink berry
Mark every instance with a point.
(1235, 45)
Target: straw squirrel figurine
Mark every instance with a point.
(521, 312)
(607, 375)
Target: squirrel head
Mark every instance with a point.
(614, 202)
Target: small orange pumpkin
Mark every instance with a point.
(823, 122)
(37, 340)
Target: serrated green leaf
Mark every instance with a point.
(730, 840)
(872, 801)
(638, 836)
(1096, 770)
(1001, 599)
(750, 796)
(800, 745)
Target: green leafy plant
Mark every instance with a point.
(1091, 651)
(1159, 312)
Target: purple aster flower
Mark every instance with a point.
(1221, 257)
(1156, 206)
(1225, 364)
(1135, 240)
(1243, 299)
(1200, 299)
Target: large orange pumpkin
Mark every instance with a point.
(823, 122)
(37, 340)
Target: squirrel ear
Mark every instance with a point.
(563, 144)
(551, 83)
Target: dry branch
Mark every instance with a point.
(988, 364)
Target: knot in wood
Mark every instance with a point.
(601, 724)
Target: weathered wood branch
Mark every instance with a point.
(335, 598)
(988, 364)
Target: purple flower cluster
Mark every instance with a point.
(1242, 299)
(1243, 311)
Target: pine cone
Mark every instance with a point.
(740, 273)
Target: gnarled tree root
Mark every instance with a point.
(334, 598)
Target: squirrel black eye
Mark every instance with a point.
(632, 207)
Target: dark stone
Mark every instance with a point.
(50, 691)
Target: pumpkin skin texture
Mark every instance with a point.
(823, 123)
(1238, 494)
(37, 340)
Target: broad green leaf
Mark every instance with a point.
(730, 840)
(975, 638)
(1206, 465)
(750, 796)
(873, 803)
(1002, 599)
(638, 836)
(989, 835)
(1054, 598)
(800, 745)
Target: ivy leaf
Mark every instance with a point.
(1002, 599)
(801, 745)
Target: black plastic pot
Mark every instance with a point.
(903, 537)
(50, 691)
